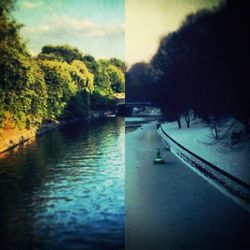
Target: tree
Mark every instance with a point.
(82, 76)
(90, 62)
(203, 65)
(61, 86)
(139, 83)
(21, 78)
(55, 85)
(103, 93)
(60, 53)
(102, 77)
(117, 79)
(118, 63)
(39, 95)
(109, 78)
(172, 76)
(79, 104)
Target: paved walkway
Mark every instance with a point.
(171, 207)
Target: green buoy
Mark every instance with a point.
(158, 159)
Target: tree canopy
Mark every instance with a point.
(203, 65)
(60, 83)
(138, 83)
(60, 53)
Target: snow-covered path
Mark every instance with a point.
(198, 140)
(171, 207)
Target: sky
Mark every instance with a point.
(126, 29)
(147, 21)
(95, 27)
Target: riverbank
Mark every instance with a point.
(11, 138)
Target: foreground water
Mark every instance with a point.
(65, 190)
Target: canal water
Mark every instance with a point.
(65, 189)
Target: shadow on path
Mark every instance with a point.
(170, 207)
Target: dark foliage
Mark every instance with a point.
(203, 65)
(139, 83)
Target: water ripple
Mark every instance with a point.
(66, 191)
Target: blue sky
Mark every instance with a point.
(95, 27)
(126, 29)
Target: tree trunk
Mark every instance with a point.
(216, 132)
(187, 118)
(179, 121)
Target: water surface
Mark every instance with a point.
(65, 190)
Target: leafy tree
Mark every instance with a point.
(61, 86)
(82, 76)
(6, 6)
(102, 77)
(118, 63)
(56, 85)
(100, 100)
(23, 89)
(90, 62)
(39, 95)
(60, 53)
(79, 104)
(21, 78)
(117, 79)
(103, 91)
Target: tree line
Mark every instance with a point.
(203, 66)
(59, 83)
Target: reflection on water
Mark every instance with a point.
(65, 190)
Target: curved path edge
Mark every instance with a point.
(233, 187)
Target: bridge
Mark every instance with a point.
(125, 108)
(134, 104)
(138, 104)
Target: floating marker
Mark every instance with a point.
(158, 159)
